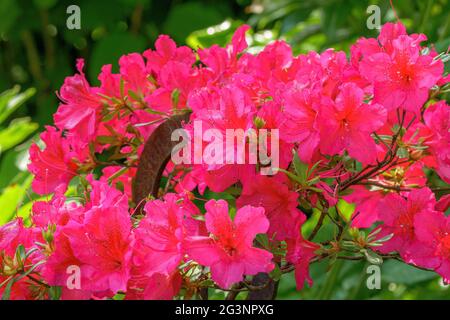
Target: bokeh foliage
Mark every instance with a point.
(38, 51)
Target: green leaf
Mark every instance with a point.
(402, 153)
(20, 253)
(10, 199)
(372, 257)
(119, 296)
(263, 240)
(30, 270)
(300, 168)
(11, 100)
(276, 273)
(17, 131)
(345, 209)
(24, 211)
(55, 293)
(7, 293)
(292, 176)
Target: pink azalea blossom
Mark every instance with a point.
(400, 74)
(300, 125)
(366, 209)
(300, 252)
(56, 211)
(156, 287)
(433, 231)
(122, 181)
(55, 165)
(329, 108)
(437, 120)
(398, 215)
(348, 123)
(102, 195)
(279, 202)
(443, 204)
(134, 75)
(229, 251)
(81, 104)
(166, 50)
(12, 235)
(159, 247)
(103, 246)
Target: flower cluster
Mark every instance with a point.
(368, 130)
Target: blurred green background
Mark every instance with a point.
(37, 51)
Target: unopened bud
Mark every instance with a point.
(354, 232)
(259, 122)
(8, 271)
(416, 155)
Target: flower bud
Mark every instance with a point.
(416, 155)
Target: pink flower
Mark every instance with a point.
(389, 32)
(300, 252)
(327, 107)
(134, 75)
(102, 195)
(300, 125)
(160, 235)
(53, 166)
(367, 201)
(55, 269)
(443, 204)
(103, 246)
(56, 211)
(110, 83)
(21, 290)
(238, 42)
(123, 181)
(348, 123)
(79, 111)
(403, 77)
(398, 215)
(366, 210)
(224, 63)
(156, 287)
(222, 109)
(271, 64)
(433, 232)
(229, 252)
(177, 77)
(437, 120)
(220, 179)
(166, 50)
(279, 202)
(12, 235)
(273, 120)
